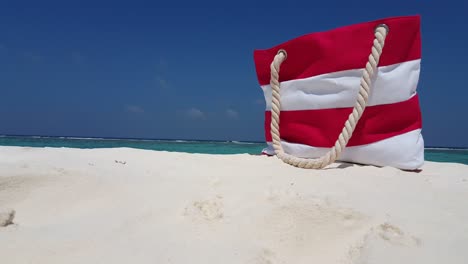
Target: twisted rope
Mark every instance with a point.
(380, 34)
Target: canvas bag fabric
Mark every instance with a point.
(319, 86)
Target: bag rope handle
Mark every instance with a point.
(380, 34)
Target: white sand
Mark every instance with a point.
(135, 206)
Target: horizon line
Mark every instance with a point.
(129, 138)
(174, 139)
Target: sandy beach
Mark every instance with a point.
(136, 206)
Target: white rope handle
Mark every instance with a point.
(380, 34)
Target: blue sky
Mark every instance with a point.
(185, 70)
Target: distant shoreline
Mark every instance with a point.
(178, 139)
(123, 138)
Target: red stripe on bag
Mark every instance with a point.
(320, 128)
(344, 48)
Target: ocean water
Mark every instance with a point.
(208, 147)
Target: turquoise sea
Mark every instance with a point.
(208, 147)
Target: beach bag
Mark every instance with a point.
(348, 94)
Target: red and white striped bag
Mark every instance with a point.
(319, 83)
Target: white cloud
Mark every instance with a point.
(195, 113)
(162, 82)
(161, 75)
(233, 114)
(134, 109)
